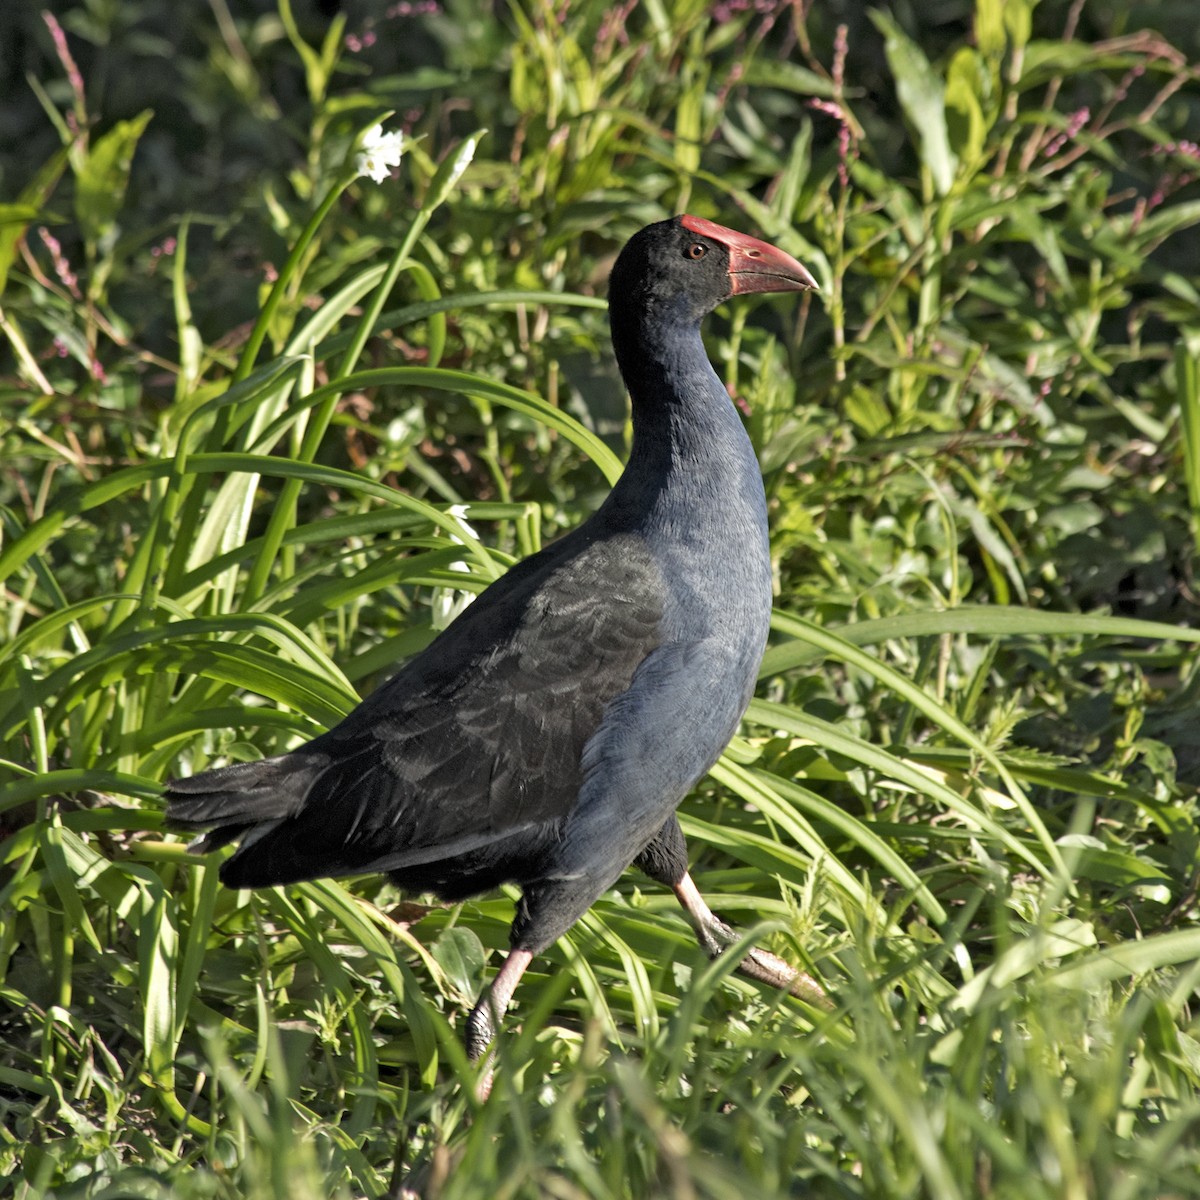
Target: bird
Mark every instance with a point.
(546, 736)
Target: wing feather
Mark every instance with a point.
(480, 738)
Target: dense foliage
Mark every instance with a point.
(265, 423)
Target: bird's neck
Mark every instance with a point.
(693, 489)
(680, 407)
(688, 440)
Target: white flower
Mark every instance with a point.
(449, 602)
(379, 153)
(459, 513)
(446, 603)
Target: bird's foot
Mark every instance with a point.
(489, 1010)
(479, 1034)
(761, 965)
(481, 1027)
(770, 969)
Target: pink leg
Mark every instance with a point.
(489, 1011)
(761, 965)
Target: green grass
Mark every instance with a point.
(234, 495)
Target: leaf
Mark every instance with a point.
(461, 955)
(1187, 389)
(868, 410)
(15, 218)
(1018, 20)
(833, 739)
(1128, 959)
(989, 539)
(318, 67)
(980, 620)
(965, 121)
(922, 96)
(58, 783)
(688, 115)
(1043, 60)
(792, 177)
(1061, 940)
(16, 214)
(1161, 224)
(356, 920)
(788, 76)
(1115, 867)
(104, 176)
(191, 346)
(989, 26)
(157, 958)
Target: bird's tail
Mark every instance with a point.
(225, 803)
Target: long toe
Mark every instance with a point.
(768, 968)
(758, 964)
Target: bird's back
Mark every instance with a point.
(454, 773)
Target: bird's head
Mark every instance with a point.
(684, 267)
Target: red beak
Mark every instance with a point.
(754, 266)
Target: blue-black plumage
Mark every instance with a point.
(547, 735)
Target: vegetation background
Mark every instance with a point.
(265, 424)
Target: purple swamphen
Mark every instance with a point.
(547, 735)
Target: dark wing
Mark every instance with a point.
(478, 738)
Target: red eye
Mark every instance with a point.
(697, 250)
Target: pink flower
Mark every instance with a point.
(1185, 149)
(62, 268)
(64, 55)
(1075, 123)
(846, 151)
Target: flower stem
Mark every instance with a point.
(259, 332)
